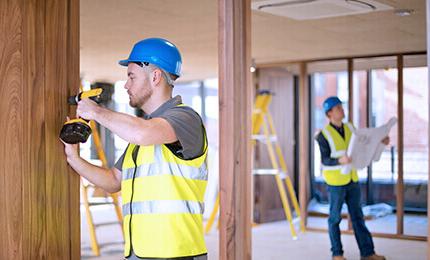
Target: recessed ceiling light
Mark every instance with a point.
(403, 12)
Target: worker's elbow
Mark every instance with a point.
(113, 189)
(114, 186)
(141, 139)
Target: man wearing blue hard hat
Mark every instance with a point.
(343, 187)
(162, 174)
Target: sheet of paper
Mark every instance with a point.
(366, 146)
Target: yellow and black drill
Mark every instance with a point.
(78, 130)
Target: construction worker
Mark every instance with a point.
(343, 187)
(162, 174)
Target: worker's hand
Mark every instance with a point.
(386, 140)
(71, 150)
(345, 160)
(87, 109)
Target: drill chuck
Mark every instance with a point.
(75, 131)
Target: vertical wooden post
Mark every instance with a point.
(428, 171)
(38, 67)
(350, 107)
(351, 90)
(304, 140)
(235, 102)
(369, 109)
(202, 93)
(72, 84)
(400, 183)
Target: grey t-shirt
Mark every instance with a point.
(188, 128)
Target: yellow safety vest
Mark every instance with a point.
(338, 146)
(163, 202)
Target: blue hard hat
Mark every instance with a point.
(331, 102)
(157, 51)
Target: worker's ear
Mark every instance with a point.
(328, 114)
(156, 77)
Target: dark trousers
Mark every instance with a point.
(350, 194)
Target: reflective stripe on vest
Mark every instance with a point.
(163, 207)
(163, 202)
(152, 169)
(338, 146)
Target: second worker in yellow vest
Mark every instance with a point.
(343, 187)
(338, 145)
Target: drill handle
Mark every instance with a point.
(93, 94)
(88, 121)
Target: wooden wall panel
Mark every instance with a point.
(39, 64)
(34, 184)
(268, 205)
(281, 83)
(11, 118)
(55, 89)
(235, 98)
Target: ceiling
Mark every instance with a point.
(109, 28)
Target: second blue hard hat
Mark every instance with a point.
(157, 51)
(331, 102)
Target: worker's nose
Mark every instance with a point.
(127, 84)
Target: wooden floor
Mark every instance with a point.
(270, 241)
(415, 225)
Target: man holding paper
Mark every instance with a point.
(343, 186)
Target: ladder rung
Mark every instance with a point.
(100, 203)
(271, 138)
(265, 171)
(269, 172)
(107, 224)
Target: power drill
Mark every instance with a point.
(78, 130)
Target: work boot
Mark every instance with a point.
(339, 257)
(373, 257)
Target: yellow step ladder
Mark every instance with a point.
(98, 192)
(261, 118)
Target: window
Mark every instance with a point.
(325, 83)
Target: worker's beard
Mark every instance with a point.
(139, 101)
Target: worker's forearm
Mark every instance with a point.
(325, 152)
(328, 161)
(101, 177)
(125, 126)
